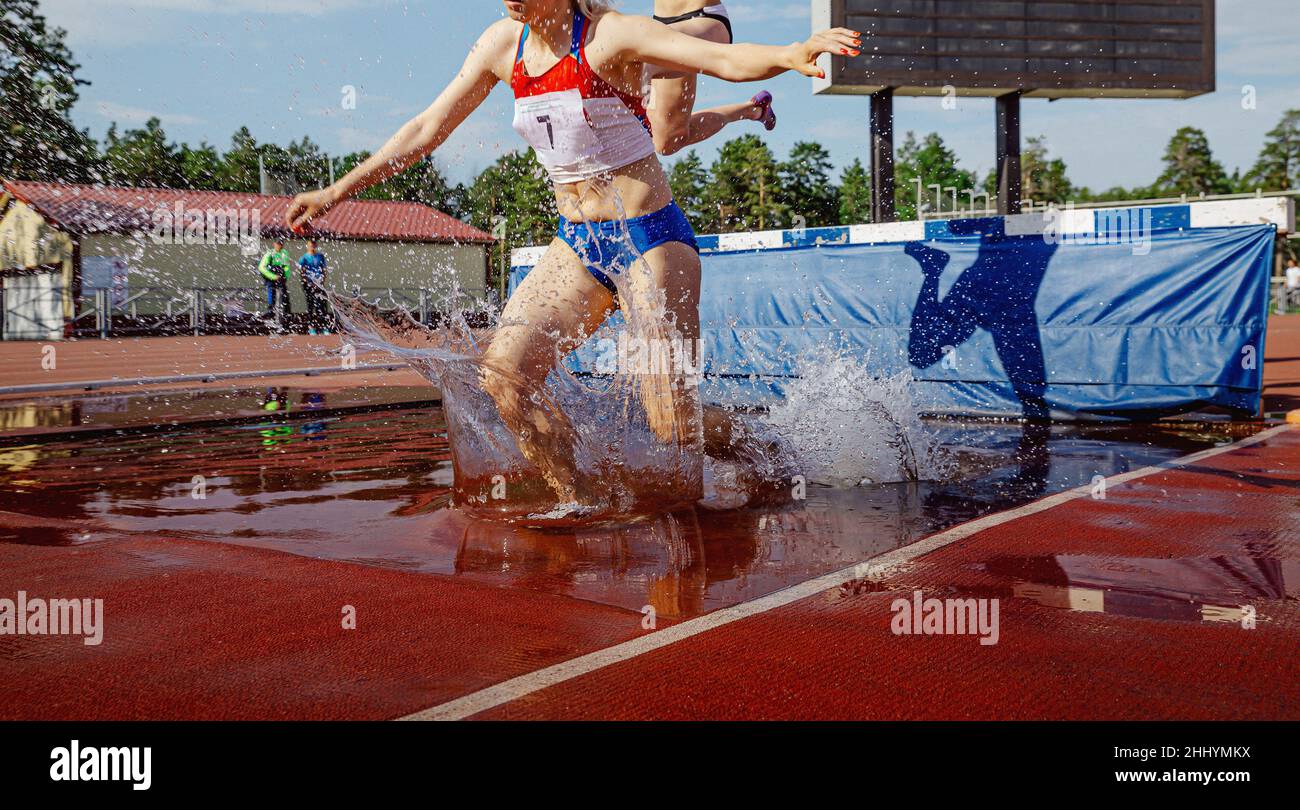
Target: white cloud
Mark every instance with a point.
(124, 23)
(124, 114)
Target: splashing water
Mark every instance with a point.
(625, 465)
(630, 440)
(846, 425)
(840, 424)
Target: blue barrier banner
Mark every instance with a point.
(998, 325)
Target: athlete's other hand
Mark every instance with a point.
(308, 206)
(803, 55)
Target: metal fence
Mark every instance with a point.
(1284, 300)
(38, 314)
(31, 307)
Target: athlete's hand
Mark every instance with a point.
(308, 206)
(803, 56)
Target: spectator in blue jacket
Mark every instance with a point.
(314, 267)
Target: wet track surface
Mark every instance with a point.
(374, 489)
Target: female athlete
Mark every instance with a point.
(675, 124)
(576, 69)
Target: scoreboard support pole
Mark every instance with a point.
(1008, 156)
(882, 156)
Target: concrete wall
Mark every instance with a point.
(364, 264)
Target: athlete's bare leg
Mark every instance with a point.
(663, 301)
(558, 305)
(555, 307)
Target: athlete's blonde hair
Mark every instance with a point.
(594, 8)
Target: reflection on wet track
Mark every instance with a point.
(374, 489)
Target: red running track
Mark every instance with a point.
(205, 630)
(202, 630)
(1163, 551)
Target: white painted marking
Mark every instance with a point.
(751, 240)
(1067, 220)
(887, 232)
(1260, 211)
(527, 256)
(876, 568)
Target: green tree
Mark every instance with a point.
(1278, 166)
(1042, 177)
(423, 183)
(806, 187)
(930, 162)
(282, 168)
(239, 163)
(38, 87)
(512, 200)
(746, 190)
(143, 158)
(855, 194)
(308, 166)
(1190, 167)
(201, 167)
(690, 183)
(1112, 194)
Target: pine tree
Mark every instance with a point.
(1042, 177)
(807, 192)
(1278, 166)
(746, 190)
(201, 167)
(1190, 167)
(690, 182)
(855, 194)
(239, 164)
(143, 158)
(932, 163)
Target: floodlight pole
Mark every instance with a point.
(882, 156)
(1008, 157)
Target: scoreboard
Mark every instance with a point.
(1042, 48)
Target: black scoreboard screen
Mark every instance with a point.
(1047, 49)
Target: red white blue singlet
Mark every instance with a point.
(579, 124)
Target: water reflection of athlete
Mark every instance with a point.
(577, 70)
(675, 123)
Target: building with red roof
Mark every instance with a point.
(58, 241)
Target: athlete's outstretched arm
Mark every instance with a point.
(418, 137)
(645, 40)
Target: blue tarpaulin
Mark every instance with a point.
(991, 324)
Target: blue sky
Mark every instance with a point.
(206, 67)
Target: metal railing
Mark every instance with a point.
(426, 306)
(1284, 300)
(27, 314)
(137, 311)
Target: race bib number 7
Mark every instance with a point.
(555, 124)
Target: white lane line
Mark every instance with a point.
(875, 568)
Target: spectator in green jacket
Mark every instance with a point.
(275, 268)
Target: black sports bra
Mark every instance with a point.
(704, 12)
